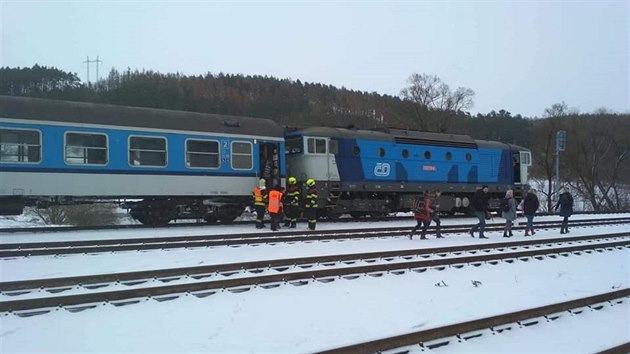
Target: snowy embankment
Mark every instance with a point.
(319, 316)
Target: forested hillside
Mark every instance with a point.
(597, 159)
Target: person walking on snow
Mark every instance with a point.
(508, 212)
(530, 206)
(480, 205)
(565, 203)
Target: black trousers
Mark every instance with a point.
(260, 214)
(311, 215)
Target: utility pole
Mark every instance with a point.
(97, 61)
(87, 63)
(561, 143)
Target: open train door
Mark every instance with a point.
(270, 163)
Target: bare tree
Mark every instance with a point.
(428, 92)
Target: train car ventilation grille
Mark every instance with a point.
(416, 141)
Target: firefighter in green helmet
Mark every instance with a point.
(291, 203)
(310, 206)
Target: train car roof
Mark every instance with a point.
(139, 117)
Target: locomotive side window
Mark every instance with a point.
(85, 148)
(356, 151)
(333, 146)
(316, 146)
(526, 158)
(381, 152)
(147, 151)
(468, 156)
(427, 155)
(202, 153)
(449, 156)
(405, 153)
(20, 146)
(242, 155)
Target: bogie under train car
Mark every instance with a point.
(172, 164)
(365, 172)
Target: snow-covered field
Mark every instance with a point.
(318, 316)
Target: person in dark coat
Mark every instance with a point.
(435, 216)
(509, 215)
(565, 203)
(530, 206)
(480, 205)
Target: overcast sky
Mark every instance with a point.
(521, 56)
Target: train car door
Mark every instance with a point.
(269, 157)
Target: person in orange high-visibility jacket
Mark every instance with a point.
(259, 194)
(275, 206)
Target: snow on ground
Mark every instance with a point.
(318, 316)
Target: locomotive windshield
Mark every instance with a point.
(293, 145)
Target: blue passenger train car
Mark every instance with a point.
(173, 164)
(378, 172)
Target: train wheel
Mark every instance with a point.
(228, 213)
(333, 216)
(210, 218)
(377, 214)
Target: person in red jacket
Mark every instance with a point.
(422, 216)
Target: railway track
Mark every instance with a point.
(52, 229)
(437, 337)
(57, 248)
(39, 296)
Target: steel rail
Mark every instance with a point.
(159, 243)
(206, 288)
(287, 262)
(51, 229)
(460, 329)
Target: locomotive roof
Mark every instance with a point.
(345, 133)
(399, 136)
(125, 116)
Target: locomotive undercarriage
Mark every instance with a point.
(378, 204)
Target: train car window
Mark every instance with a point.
(202, 153)
(85, 148)
(449, 156)
(316, 146)
(468, 156)
(381, 152)
(405, 153)
(242, 155)
(293, 145)
(356, 151)
(147, 151)
(20, 146)
(427, 155)
(333, 146)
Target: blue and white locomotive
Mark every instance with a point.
(366, 172)
(178, 165)
(175, 164)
